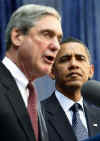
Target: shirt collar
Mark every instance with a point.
(15, 71)
(65, 102)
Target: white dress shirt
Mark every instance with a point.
(67, 103)
(19, 77)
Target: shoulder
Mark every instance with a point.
(92, 107)
(48, 100)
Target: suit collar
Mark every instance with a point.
(13, 95)
(93, 118)
(65, 102)
(58, 119)
(64, 129)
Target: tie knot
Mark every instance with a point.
(30, 86)
(76, 107)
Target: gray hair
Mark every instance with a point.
(26, 17)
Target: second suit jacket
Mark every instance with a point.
(59, 128)
(94, 138)
(15, 124)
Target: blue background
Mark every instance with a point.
(80, 19)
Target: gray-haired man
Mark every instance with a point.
(32, 39)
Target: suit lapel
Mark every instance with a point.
(93, 119)
(13, 95)
(59, 120)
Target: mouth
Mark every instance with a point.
(74, 74)
(49, 59)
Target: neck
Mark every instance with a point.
(71, 92)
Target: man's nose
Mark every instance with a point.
(73, 63)
(55, 45)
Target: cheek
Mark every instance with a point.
(60, 73)
(26, 49)
(41, 44)
(86, 73)
(31, 48)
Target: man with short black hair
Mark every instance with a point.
(68, 116)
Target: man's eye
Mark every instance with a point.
(64, 59)
(81, 58)
(45, 33)
(48, 34)
(59, 39)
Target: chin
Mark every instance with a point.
(44, 72)
(43, 69)
(47, 70)
(75, 84)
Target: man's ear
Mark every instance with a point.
(16, 37)
(91, 73)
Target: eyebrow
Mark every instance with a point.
(52, 32)
(69, 55)
(62, 57)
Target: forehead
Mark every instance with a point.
(72, 48)
(49, 22)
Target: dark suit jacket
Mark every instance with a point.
(59, 128)
(15, 123)
(95, 138)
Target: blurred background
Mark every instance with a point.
(80, 19)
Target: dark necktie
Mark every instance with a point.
(32, 108)
(78, 127)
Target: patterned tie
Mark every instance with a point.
(78, 127)
(32, 108)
